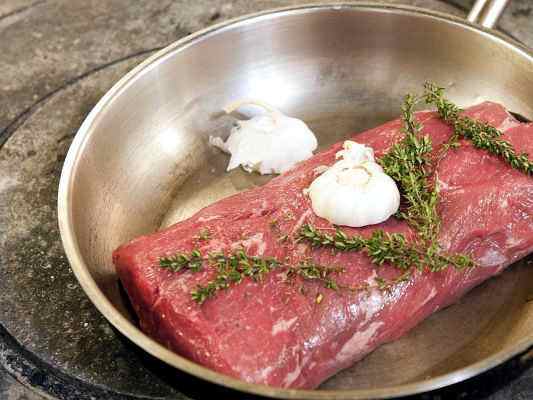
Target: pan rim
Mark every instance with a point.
(148, 344)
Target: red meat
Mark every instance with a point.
(275, 333)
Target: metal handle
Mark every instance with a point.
(487, 12)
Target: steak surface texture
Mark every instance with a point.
(275, 332)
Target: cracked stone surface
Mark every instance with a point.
(57, 59)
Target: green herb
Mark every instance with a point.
(231, 269)
(315, 272)
(323, 274)
(202, 293)
(408, 164)
(204, 235)
(175, 263)
(482, 135)
(384, 284)
(451, 143)
(383, 247)
(339, 240)
(283, 238)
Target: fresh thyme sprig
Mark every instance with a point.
(177, 262)
(339, 240)
(482, 135)
(315, 272)
(408, 164)
(383, 247)
(231, 269)
(384, 284)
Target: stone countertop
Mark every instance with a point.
(57, 58)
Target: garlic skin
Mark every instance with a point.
(354, 191)
(269, 144)
(355, 153)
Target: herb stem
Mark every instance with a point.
(383, 247)
(481, 135)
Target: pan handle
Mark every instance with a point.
(487, 12)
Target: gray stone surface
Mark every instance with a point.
(57, 59)
(42, 304)
(10, 389)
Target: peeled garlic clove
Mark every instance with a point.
(270, 143)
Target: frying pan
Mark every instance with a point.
(141, 160)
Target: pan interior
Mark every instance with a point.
(144, 161)
(496, 314)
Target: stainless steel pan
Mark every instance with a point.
(141, 160)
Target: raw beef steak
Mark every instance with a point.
(277, 333)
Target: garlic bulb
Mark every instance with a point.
(354, 191)
(269, 144)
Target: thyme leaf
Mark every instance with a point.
(315, 272)
(177, 262)
(204, 235)
(408, 164)
(482, 135)
(231, 269)
(391, 248)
